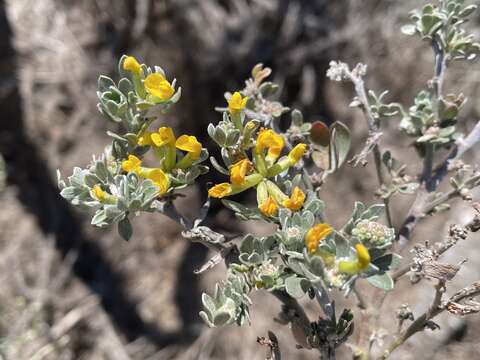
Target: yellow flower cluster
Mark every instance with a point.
(155, 85)
(246, 174)
(165, 145)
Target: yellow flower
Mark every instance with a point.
(236, 103)
(131, 64)
(164, 136)
(145, 139)
(132, 164)
(363, 256)
(99, 193)
(354, 267)
(268, 139)
(159, 178)
(239, 170)
(269, 207)
(315, 235)
(189, 144)
(295, 202)
(156, 85)
(220, 190)
(297, 153)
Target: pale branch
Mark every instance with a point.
(428, 182)
(374, 132)
(419, 323)
(453, 305)
(456, 234)
(461, 147)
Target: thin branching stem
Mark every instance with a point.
(428, 185)
(373, 129)
(419, 324)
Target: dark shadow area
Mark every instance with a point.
(38, 193)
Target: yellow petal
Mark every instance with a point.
(131, 64)
(160, 179)
(269, 207)
(363, 256)
(295, 201)
(145, 139)
(315, 235)
(268, 139)
(239, 170)
(354, 267)
(99, 193)
(132, 164)
(156, 85)
(297, 153)
(220, 190)
(236, 103)
(189, 144)
(164, 136)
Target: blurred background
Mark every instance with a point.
(70, 291)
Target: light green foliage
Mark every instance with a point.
(304, 255)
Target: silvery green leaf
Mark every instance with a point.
(100, 218)
(125, 86)
(91, 180)
(284, 215)
(296, 287)
(218, 167)
(468, 10)
(220, 136)
(373, 212)
(339, 145)
(342, 247)
(381, 281)
(211, 131)
(125, 228)
(69, 192)
(232, 137)
(358, 209)
(174, 99)
(297, 117)
(295, 264)
(316, 266)
(104, 83)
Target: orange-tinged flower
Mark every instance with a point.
(315, 235)
(268, 139)
(132, 164)
(239, 170)
(296, 200)
(236, 103)
(164, 136)
(189, 144)
(131, 64)
(297, 153)
(220, 190)
(269, 207)
(156, 85)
